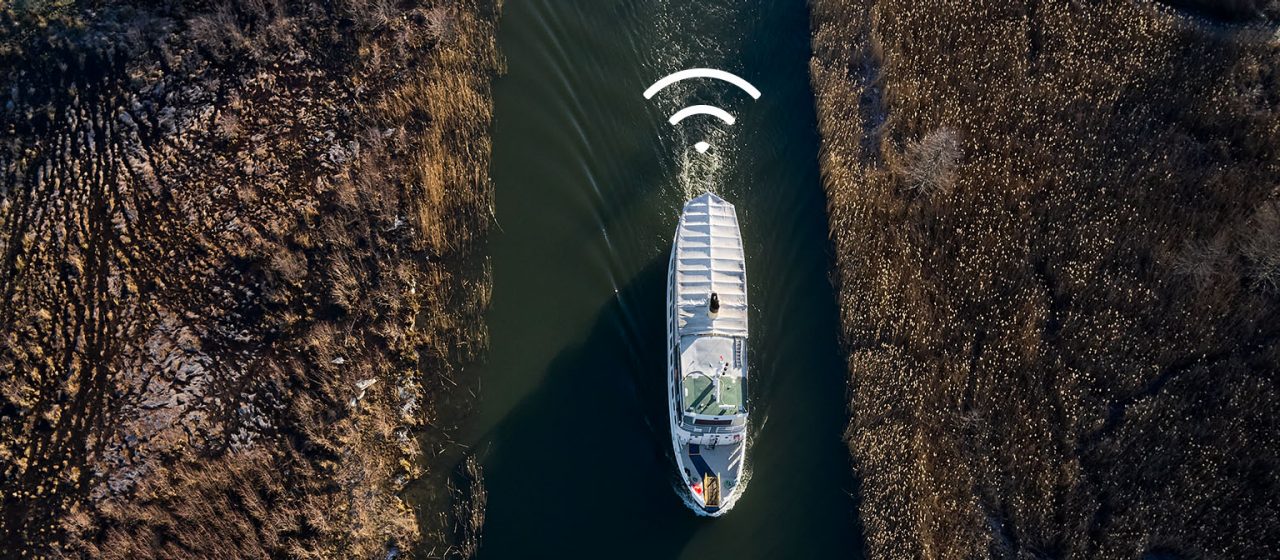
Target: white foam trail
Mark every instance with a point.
(702, 152)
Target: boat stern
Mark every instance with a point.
(712, 475)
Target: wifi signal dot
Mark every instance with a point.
(702, 147)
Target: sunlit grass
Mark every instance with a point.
(1055, 237)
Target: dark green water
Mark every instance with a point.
(571, 426)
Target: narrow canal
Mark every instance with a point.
(571, 427)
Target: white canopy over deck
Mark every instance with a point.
(709, 259)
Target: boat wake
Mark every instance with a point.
(699, 173)
(679, 26)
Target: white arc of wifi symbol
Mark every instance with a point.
(702, 109)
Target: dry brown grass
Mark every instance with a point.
(1068, 348)
(930, 165)
(238, 260)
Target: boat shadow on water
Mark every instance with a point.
(592, 444)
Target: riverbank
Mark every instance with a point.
(240, 259)
(1057, 235)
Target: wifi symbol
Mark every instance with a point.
(692, 110)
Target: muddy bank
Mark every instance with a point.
(1057, 230)
(238, 258)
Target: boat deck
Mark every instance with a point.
(719, 463)
(712, 376)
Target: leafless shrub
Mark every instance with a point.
(228, 125)
(278, 31)
(345, 287)
(260, 29)
(1201, 262)
(374, 16)
(439, 22)
(1261, 246)
(383, 13)
(247, 192)
(219, 31)
(289, 265)
(931, 162)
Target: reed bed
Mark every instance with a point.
(1055, 238)
(239, 255)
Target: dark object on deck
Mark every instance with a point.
(715, 303)
(695, 455)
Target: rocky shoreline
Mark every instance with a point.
(239, 257)
(1057, 243)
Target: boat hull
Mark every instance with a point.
(706, 356)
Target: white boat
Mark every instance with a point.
(707, 354)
